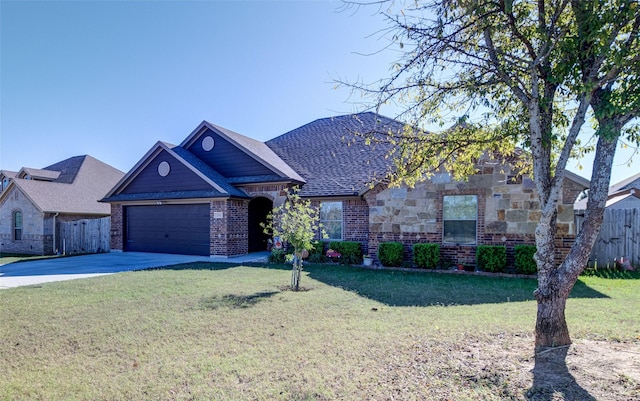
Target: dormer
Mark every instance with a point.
(27, 173)
(5, 178)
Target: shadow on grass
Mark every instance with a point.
(551, 377)
(415, 288)
(612, 274)
(235, 301)
(411, 288)
(196, 266)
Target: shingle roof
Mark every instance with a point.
(332, 158)
(68, 168)
(90, 179)
(8, 173)
(35, 173)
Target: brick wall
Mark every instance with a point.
(218, 215)
(228, 233)
(355, 222)
(117, 225)
(237, 234)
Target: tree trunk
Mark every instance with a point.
(551, 326)
(296, 272)
(556, 282)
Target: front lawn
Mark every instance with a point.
(224, 332)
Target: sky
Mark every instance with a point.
(111, 78)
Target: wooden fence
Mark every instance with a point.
(619, 237)
(84, 236)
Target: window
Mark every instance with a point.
(331, 219)
(17, 225)
(460, 214)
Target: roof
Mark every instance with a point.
(617, 192)
(633, 194)
(8, 173)
(82, 181)
(332, 156)
(628, 183)
(34, 173)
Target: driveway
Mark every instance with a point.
(74, 267)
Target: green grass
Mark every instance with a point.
(225, 332)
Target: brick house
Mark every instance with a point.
(209, 194)
(34, 201)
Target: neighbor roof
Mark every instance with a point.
(332, 156)
(628, 183)
(615, 193)
(82, 181)
(35, 173)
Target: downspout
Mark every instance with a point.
(55, 251)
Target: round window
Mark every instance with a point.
(207, 143)
(163, 169)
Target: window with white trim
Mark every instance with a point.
(460, 219)
(331, 219)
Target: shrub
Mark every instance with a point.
(316, 254)
(351, 252)
(492, 258)
(277, 255)
(524, 259)
(390, 254)
(426, 255)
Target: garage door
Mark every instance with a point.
(181, 229)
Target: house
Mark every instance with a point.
(622, 195)
(34, 201)
(209, 194)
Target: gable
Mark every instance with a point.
(165, 173)
(224, 156)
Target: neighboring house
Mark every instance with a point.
(209, 194)
(622, 195)
(618, 236)
(34, 201)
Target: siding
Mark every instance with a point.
(180, 178)
(226, 158)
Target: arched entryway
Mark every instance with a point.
(259, 208)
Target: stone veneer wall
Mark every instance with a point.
(33, 237)
(508, 212)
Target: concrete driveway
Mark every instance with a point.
(69, 268)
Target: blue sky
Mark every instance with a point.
(111, 78)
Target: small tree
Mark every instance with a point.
(296, 222)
